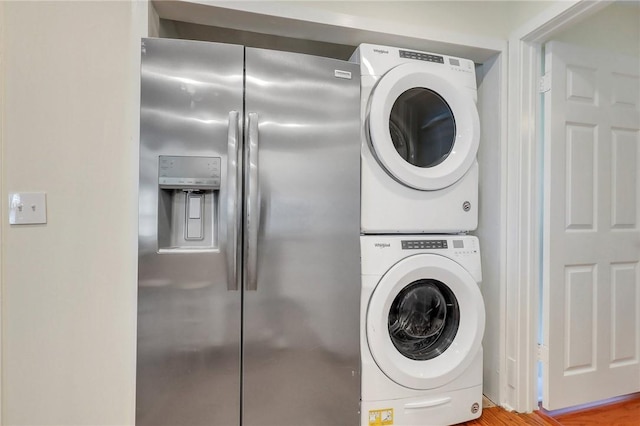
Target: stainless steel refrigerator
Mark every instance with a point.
(249, 262)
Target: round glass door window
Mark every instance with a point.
(422, 127)
(424, 319)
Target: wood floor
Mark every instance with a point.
(498, 417)
(622, 413)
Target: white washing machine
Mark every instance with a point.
(422, 321)
(420, 139)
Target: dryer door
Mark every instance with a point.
(423, 130)
(425, 321)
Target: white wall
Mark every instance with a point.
(490, 217)
(615, 29)
(487, 18)
(69, 287)
(70, 129)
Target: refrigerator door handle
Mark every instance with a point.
(233, 222)
(253, 206)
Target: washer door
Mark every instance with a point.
(425, 321)
(422, 129)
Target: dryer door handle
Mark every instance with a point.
(427, 404)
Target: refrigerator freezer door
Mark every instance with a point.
(301, 324)
(188, 367)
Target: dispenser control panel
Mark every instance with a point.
(189, 172)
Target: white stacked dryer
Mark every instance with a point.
(420, 137)
(422, 314)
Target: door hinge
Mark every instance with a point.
(545, 83)
(542, 353)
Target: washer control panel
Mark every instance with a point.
(458, 246)
(381, 252)
(424, 244)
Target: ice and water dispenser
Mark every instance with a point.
(188, 200)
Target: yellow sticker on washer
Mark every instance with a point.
(382, 417)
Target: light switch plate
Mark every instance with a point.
(27, 208)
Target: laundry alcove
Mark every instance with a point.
(321, 33)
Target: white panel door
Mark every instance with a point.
(591, 287)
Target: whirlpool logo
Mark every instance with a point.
(382, 245)
(384, 52)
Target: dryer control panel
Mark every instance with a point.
(456, 64)
(421, 56)
(376, 60)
